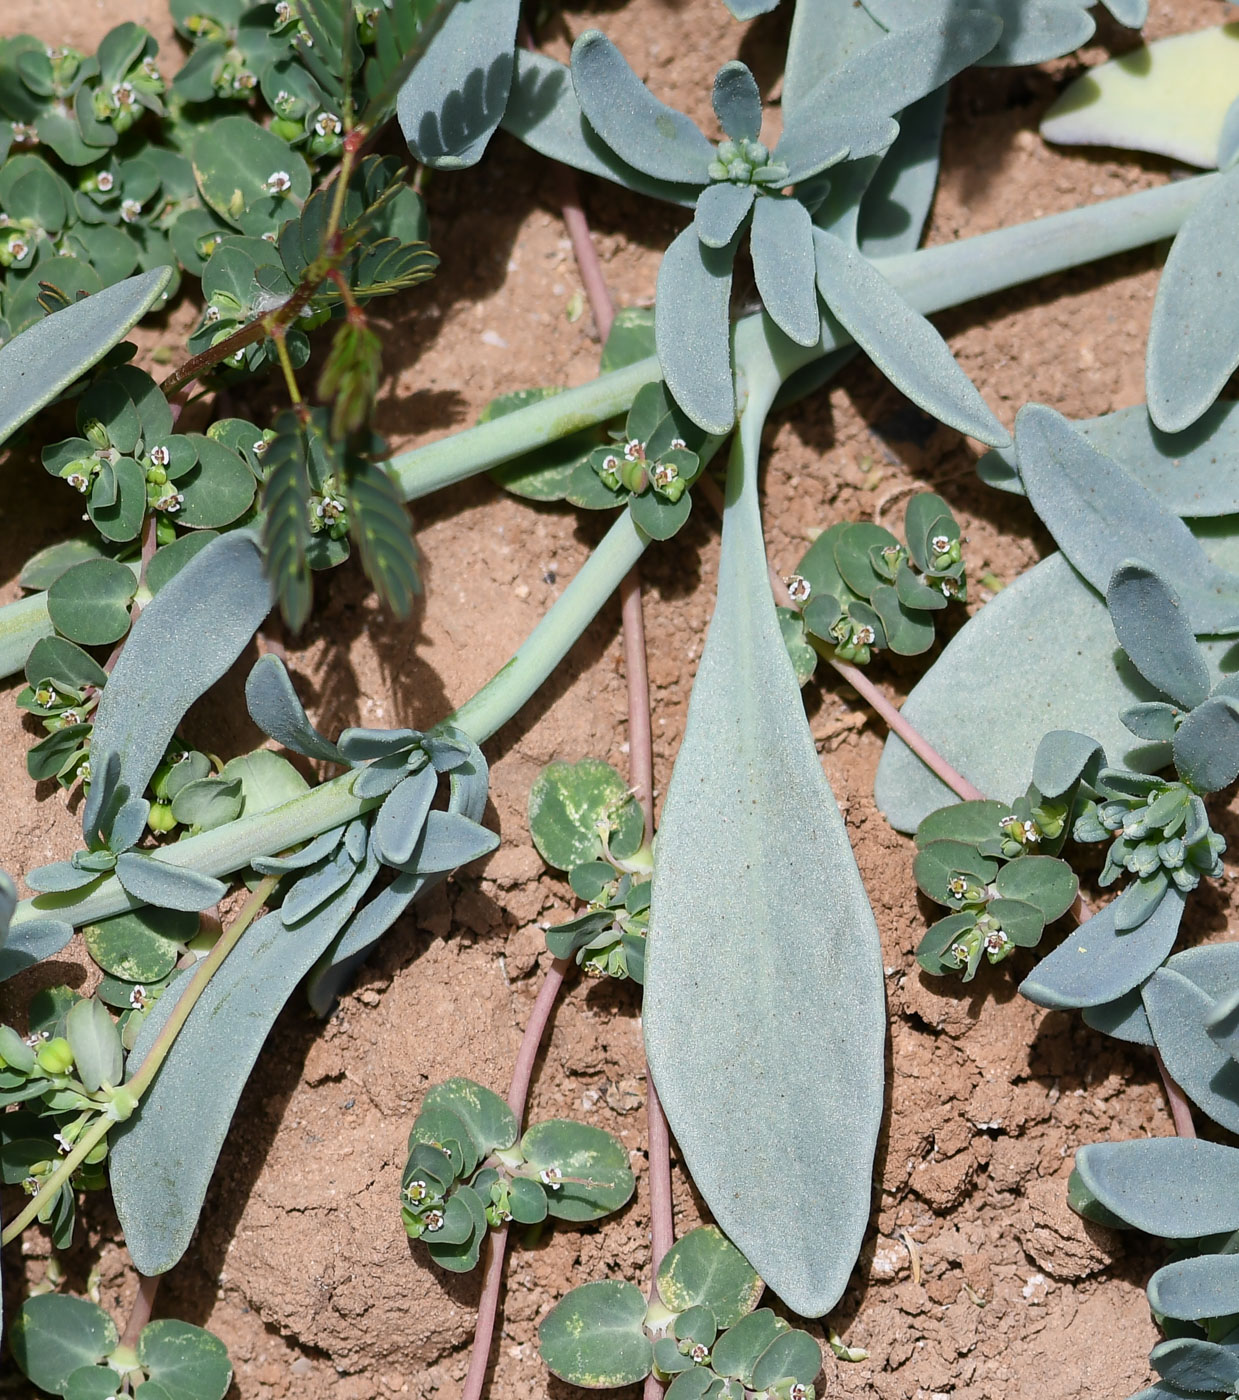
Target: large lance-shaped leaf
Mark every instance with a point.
(1098, 963)
(1203, 1287)
(1192, 473)
(163, 1158)
(1032, 30)
(1179, 1188)
(692, 330)
(201, 621)
(1100, 517)
(1152, 629)
(1177, 1009)
(48, 356)
(1169, 98)
(764, 1016)
(824, 35)
(783, 266)
(899, 340)
(451, 103)
(1194, 333)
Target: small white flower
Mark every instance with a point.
(949, 588)
(244, 81)
(282, 97)
(433, 1220)
(415, 1192)
(24, 134)
(37, 1038)
(957, 887)
(78, 482)
(137, 998)
(327, 124)
(151, 69)
(799, 588)
(799, 1391)
(1032, 833)
(212, 313)
(123, 94)
(678, 445)
(62, 1143)
(329, 509)
(940, 544)
(665, 473)
(71, 716)
(46, 696)
(259, 447)
(170, 503)
(30, 1185)
(105, 180)
(84, 771)
(18, 247)
(160, 456)
(278, 181)
(634, 451)
(129, 210)
(996, 941)
(268, 237)
(866, 636)
(699, 1354)
(283, 12)
(610, 464)
(552, 1177)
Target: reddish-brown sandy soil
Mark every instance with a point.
(976, 1280)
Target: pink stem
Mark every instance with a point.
(640, 735)
(143, 1304)
(1180, 1109)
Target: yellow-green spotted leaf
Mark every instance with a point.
(595, 1337)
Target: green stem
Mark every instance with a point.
(140, 1082)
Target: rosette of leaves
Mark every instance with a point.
(584, 820)
(70, 1347)
(996, 869)
(860, 590)
(67, 1071)
(1183, 1190)
(702, 1335)
(466, 1171)
(740, 186)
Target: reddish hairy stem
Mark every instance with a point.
(636, 668)
(143, 1304)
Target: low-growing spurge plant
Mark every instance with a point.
(1089, 703)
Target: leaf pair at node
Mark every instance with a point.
(860, 590)
(702, 1336)
(466, 1172)
(584, 819)
(70, 1347)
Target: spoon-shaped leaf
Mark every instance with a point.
(1203, 1287)
(275, 708)
(1097, 963)
(48, 356)
(638, 127)
(1177, 1009)
(899, 340)
(692, 312)
(1100, 518)
(451, 103)
(212, 608)
(762, 945)
(1178, 1188)
(783, 266)
(1206, 745)
(737, 102)
(1194, 334)
(1152, 629)
(720, 212)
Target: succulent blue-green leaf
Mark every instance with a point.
(1193, 473)
(215, 605)
(186, 1362)
(28, 943)
(757, 942)
(447, 841)
(899, 340)
(692, 311)
(543, 111)
(1207, 1286)
(643, 131)
(54, 1335)
(1100, 518)
(313, 890)
(1194, 332)
(46, 358)
(737, 1351)
(570, 802)
(274, 707)
(158, 882)
(850, 109)
(403, 814)
(1156, 635)
(1154, 720)
(1178, 1188)
(1122, 1018)
(824, 35)
(792, 1356)
(595, 1335)
(937, 861)
(162, 1159)
(487, 1118)
(1195, 1365)
(580, 1150)
(1169, 97)
(1222, 1022)
(527, 1201)
(358, 745)
(1096, 963)
(450, 104)
(310, 854)
(1063, 757)
(1206, 745)
(704, 1267)
(95, 1041)
(1138, 901)
(207, 803)
(1032, 30)
(1177, 1009)
(784, 268)
(266, 780)
(897, 199)
(59, 876)
(1228, 142)
(461, 1256)
(736, 100)
(721, 210)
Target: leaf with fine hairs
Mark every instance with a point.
(1152, 629)
(692, 329)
